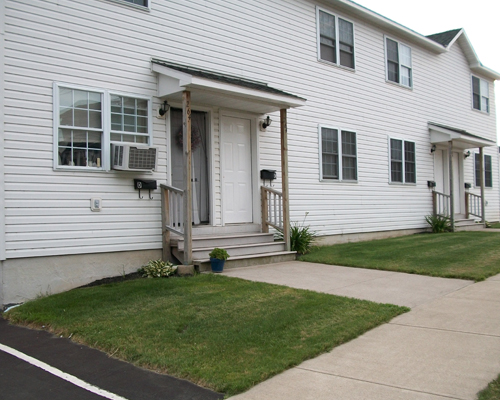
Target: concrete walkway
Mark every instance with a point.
(447, 347)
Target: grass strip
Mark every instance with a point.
(223, 333)
(467, 255)
(492, 392)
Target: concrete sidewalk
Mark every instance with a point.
(447, 347)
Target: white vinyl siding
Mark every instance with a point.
(335, 39)
(480, 95)
(488, 172)
(398, 63)
(102, 45)
(402, 161)
(338, 154)
(139, 4)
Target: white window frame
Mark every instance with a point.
(339, 152)
(106, 125)
(337, 40)
(481, 83)
(399, 43)
(133, 5)
(403, 171)
(484, 163)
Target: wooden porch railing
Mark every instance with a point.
(172, 216)
(172, 209)
(272, 209)
(473, 205)
(441, 204)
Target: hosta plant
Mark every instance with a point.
(158, 269)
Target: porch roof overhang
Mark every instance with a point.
(441, 134)
(214, 89)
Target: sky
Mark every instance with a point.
(479, 18)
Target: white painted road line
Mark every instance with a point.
(60, 374)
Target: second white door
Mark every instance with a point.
(236, 153)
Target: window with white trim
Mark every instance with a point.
(144, 3)
(338, 152)
(403, 162)
(398, 63)
(480, 94)
(335, 39)
(87, 120)
(488, 171)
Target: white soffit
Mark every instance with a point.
(171, 84)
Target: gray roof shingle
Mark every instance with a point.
(444, 38)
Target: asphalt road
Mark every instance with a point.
(70, 364)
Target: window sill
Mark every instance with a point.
(336, 181)
(402, 184)
(336, 65)
(79, 169)
(480, 111)
(410, 88)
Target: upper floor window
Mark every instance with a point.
(403, 164)
(480, 95)
(398, 63)
(488, 172)
(335, 39)
(87, 120)
(144, 3)
(338, 151)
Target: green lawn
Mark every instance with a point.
(496, 225)
(492, 392)
(223, 333)
(466, 255)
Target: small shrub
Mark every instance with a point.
(220, 254)
(157, 269)
(438, 223)
(301, 237)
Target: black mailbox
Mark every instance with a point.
(145, 184)
(431, 184)
(467, 185)
(268, 174)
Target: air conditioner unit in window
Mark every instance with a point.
(131, 157)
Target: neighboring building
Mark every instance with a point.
(373, 108)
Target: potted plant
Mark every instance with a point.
(217, 259)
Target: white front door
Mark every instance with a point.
(458, 185)
(236, 157)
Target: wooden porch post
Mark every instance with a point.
(452, 197)
(481, 173)
(284, 178)
(188, 199)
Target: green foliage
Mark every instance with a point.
(492, 391)
(157, 269)
(224, 333)
(438, 223)
(301, 237)
(220, 254)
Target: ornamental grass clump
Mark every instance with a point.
(438, 223)
(158, 269)
(301, 237)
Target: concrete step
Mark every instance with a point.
(242, 250)
(248, 261)
(211, 241)
(464, 222)
(470, 227)
(226, 230)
